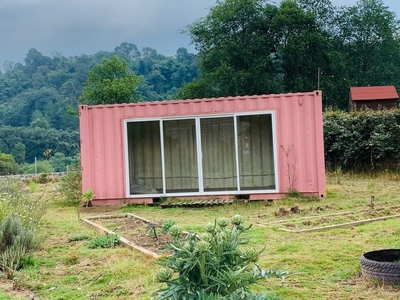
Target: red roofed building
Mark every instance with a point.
(373, 97)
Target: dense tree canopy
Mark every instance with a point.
(236, 50)
(110, 82)
(35, 98)
(254, 47)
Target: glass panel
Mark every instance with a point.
(180, 154)
(256, 155)
(218, 149)
(144, 154)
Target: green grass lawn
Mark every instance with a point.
(323, 264)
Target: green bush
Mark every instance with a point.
(104, 241)
(212, 265)
(8, 166)
(362, 141)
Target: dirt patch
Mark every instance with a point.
(141, 233)
(12, 288)
(282, 212)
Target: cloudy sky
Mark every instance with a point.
(76, 27)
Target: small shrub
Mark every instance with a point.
(16, 244)
(20, 217)
(8, 166)
(43, 178)
(104, 241)
(87, 197)
(211, 265)
(71, 185)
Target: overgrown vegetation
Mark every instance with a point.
(365, 140)
(20, 231)
(323, 264)
(212, 265)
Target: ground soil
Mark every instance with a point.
(141, 233)
(12, 288)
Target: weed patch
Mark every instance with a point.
(104, 241)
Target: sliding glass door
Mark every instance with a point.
(201, 155)
(180, 156)
(218, 154)
(144, 157)
(256, 155)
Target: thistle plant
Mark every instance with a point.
(211, 265)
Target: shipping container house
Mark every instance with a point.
(252, 147)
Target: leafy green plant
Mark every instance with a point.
(167, 225)
(211, 265)
(87, 197)
(104, 241)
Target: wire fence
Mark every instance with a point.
(53, 175)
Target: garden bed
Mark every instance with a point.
(334, 220)
(134, 231)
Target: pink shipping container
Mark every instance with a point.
(251, 147)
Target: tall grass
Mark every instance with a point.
(20, 217)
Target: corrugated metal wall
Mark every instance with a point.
(299, 138)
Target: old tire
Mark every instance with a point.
(382, 265)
